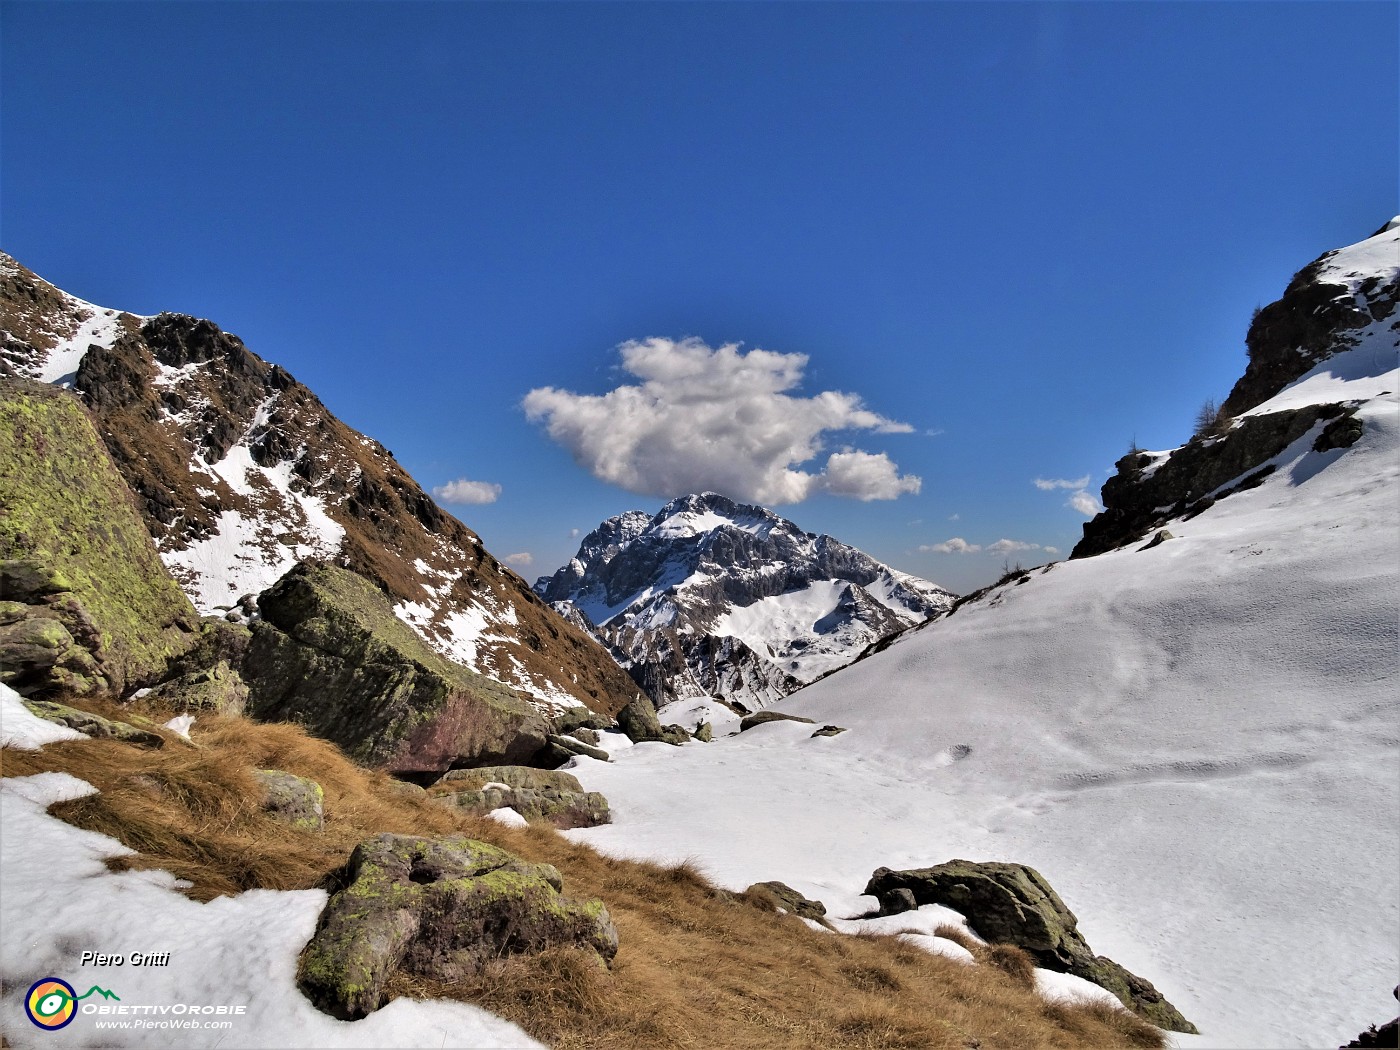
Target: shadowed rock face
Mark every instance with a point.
(439, 908)
(1014, 904)
(1345, 300)
(656, 589)
(329, 653)
(226, 452)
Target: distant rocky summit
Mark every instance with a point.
(709, 597)
(240, 472)
(1337, 319)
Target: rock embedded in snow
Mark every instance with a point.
(438, 908)
(638, 720)
(536, 794)
(759, 718)
(1014, 904)
(92, 725)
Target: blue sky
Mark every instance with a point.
(1022, 235)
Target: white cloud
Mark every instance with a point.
(954, 517)
(573, 534)
(935, 432)
(464, 491)
(1011, 546)
(866, 476)
(717, 419)
(523, 558)
(1049, 484)
(956, 545)
(1083, 502)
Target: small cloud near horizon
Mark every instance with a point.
(714, 419)
(467, 492)
(958, 545)
(522, 559)
(1050, 484)
(573, 534)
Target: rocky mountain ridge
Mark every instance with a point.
(1334, 327)
(240, 472)
(709, 597)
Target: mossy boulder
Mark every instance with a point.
(536, 794)
(1014, 904)
(759, 718)
(75, 549)
(294, 800)
(330, 654)
(219, 689)
(560, 749)
(439, 908)
(779, 895)
(93, 725)
(704, 732)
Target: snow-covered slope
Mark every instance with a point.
(1197, 743)
(713, 597)
(240, 472)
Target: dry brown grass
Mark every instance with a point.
(697, 967)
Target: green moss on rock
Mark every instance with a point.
(439, 908)
(70, 531)
(330, 653)
(93, 725)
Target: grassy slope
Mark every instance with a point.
(697, 968)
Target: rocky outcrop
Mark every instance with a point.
(92, 725)
(1146, 493)
(1327, 308)
(85, 604)
(294, 800)
(1014, 904)
(226, 452)
(709, 597)
(536, 794)
(560, 749)
(329, 653)
(438, 908)
(1338, 315)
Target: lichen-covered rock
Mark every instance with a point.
(218, 688)
(330, 653)
(572, 718)
(536, 794)
(294, 800)
(38, 655)
(704, 732)
(559, 749)
(75, 549)
(759, 718)
(1014, 904)
(781, 895)
(438, 908)
(93, 725)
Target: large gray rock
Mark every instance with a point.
(536, 794)
(780, 895)
(1014, 904)
(330, 653)
(438, 908)
(219, 689)
(638, 720)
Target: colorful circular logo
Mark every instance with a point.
(51, 1003)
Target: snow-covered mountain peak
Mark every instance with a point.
(794, 605)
